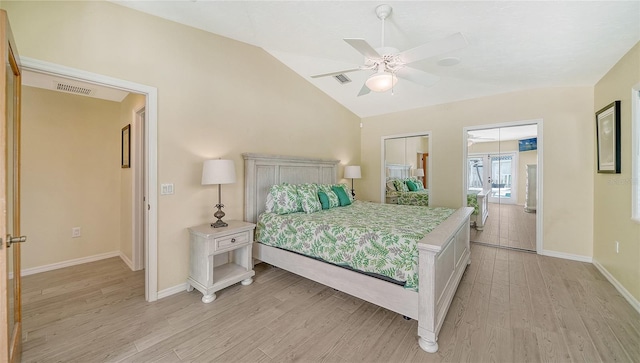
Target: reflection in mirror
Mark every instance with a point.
(406, 169)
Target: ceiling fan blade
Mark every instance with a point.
(422, 78)
(363, 47)
(364, 90)
(436, 47)
(337, 72)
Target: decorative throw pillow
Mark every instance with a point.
(346, 190)
(411, 185)
(284, 199)
(342, 195)
(400, 185)
(418, 184)
(391, 187)
(324, 199)
(308, 196)
(333, 198)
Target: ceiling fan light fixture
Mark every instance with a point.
(381, 81)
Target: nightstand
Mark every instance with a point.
(391, 200)
(236, 241)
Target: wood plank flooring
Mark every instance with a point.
(508, 225)
(510, 307)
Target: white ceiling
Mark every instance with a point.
(513, 45)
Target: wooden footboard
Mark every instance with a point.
(483, 211)
(444, 255)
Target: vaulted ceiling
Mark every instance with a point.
(513, 45)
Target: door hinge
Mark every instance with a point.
(11, 239)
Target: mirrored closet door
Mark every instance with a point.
(406, 171)
(501, 173)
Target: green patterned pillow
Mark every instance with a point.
(400, 185)
(333, 198)
(308, 197)
(283, 199)
(411, 185)
(342, 195)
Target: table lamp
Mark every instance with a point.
(218, 171)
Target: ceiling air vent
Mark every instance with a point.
(342, 78)
(64, 87)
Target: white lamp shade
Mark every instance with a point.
(419, 172)
(218, 171)
(352, 172)
(381, 81)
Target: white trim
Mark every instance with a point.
(151, 138)
(383, 176)
(172, 290)
(540, 169)
(565, 256)
(138, 191)
(126, 260)
(635, 153)
(624, 292)
(68, 263)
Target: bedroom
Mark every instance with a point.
(187, 136)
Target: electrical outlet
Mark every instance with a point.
(75, 232)
(617, 247)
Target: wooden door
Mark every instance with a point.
(10, 290)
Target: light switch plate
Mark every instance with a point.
(166, 189)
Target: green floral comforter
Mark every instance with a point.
(370, 237)
(421, 198)
(472, 200)
(418, 197)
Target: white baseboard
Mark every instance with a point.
(126, 260)
(68, 263)
(172, 290)
(624, 292)
(566, 256)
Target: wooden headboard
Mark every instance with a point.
(261, 171)
(398, 171)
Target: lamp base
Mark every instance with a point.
(219, 214)
(219, 223)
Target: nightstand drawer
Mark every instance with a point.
(231, 241)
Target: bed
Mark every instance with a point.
(476, 199)
(443, 253)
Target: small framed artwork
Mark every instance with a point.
(608, 138)
(126, 147)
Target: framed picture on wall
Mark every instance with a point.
(608, 138)
(125, 161)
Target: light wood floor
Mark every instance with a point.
(510, 307)
(508, 225)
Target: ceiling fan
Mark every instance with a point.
(389, 63)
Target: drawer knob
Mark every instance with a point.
(233, 240)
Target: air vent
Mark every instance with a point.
(342, 78)
(64, 87)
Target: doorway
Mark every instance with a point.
(150, 151)
(502, 170)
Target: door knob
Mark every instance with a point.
(11, 239)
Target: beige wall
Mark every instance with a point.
(567, 115)
(612, 192)
(70, 176)
(216, 98)
(128, 108)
